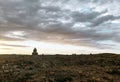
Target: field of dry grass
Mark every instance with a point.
(60, 68)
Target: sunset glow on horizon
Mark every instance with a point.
(59, 27)
(26, 47)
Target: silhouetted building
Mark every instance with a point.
(34, 52)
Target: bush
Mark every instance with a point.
(24, 78)
(63, 78)
(115, 71)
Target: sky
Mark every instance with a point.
(59, 26)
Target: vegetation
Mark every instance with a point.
(60, 68)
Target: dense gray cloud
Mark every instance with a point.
(80, 22)
(85, 17)
(103, 19)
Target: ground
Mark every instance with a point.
(60, 68)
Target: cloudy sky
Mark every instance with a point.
(59, 26)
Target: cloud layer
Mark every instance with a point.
(90, 23)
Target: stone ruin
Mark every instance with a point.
(34, 52)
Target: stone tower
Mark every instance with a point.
(34, 52)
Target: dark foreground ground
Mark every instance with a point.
(59, 68)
